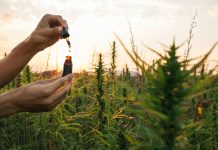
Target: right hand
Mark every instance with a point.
(47, 32)
(40, 96)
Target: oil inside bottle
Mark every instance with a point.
(68, 66)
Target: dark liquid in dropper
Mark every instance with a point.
(68, 43)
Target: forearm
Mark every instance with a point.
(13, 63)
(7, 106)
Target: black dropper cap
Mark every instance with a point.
(65, 33)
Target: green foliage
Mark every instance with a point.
(126, 73)
(153, 110)
(202, 71)
(165, 93)
(27, 74)
(18, 80)
(99, 96)
(113, 63)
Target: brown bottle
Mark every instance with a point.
(68, 66)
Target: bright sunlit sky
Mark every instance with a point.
(92, 24)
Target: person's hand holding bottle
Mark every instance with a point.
(41, 95)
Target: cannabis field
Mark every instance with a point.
(169, 104)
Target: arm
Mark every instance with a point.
(46, 34)
(35, 97)
(12, 64)
(41, 95)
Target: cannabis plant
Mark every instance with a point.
(165, 93)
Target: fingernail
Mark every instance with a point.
(60, 29)
(70, 75)
(65, 25)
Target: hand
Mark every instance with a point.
(36, 97)
(48, 31)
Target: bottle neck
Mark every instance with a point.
(68, 59)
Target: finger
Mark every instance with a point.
(56, 20)
(62, 22)
(42, 82)
(52, 20)
(53, 32)
(65, 24)
(45, 81)
(56, 98)
(57, 84)
(62, 94)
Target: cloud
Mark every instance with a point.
(214, 11)
(164, 10)
(32, 10)
(6, 17)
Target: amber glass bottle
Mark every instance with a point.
(68, 66)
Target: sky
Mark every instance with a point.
(92, 24)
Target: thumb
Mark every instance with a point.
(51, 35)
(56, 32)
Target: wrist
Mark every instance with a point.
(7, 105)
(32, 45)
